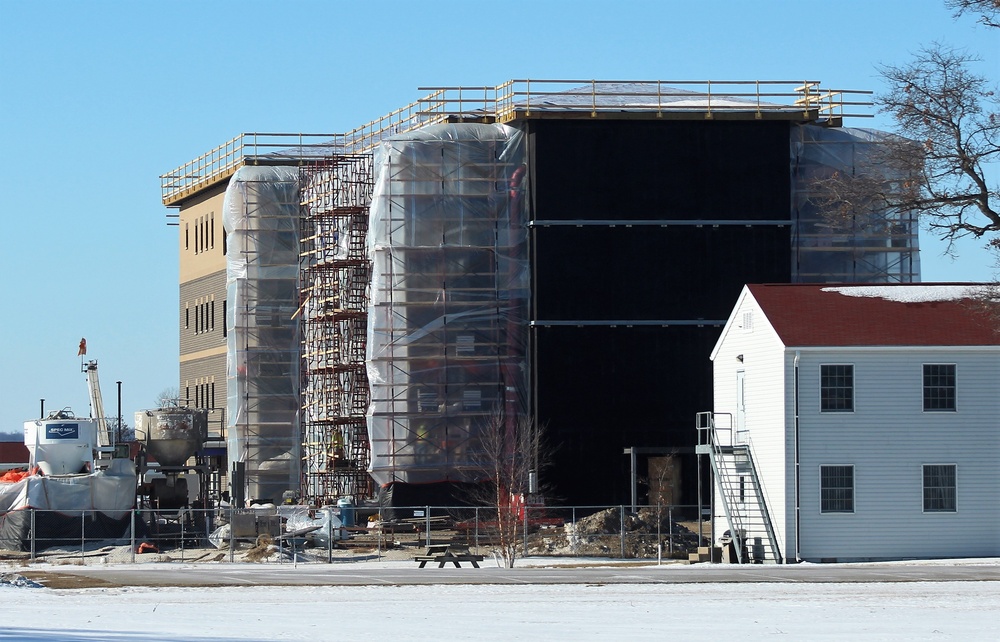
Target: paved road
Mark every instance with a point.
(361, 574)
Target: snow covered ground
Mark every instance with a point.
(792, 611)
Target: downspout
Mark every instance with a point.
(795, 434)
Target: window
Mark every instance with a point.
(211, 228)
(836, 489)
(187, 317)
(212, 317)
(225, 331)
(187, 237)
(939, 386)
(939, 488)
(836, 388)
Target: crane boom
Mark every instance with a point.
(97, 403)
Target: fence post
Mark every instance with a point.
(576, 535)
(232, 534)
(380, 533)
(477, 528)
(32, 529)
(182, 537)
(621, 513)
(659, 534)
(670, 525)
(132, 534)
(83, 536)
(524, 541)
(427, 517)
(329, 538)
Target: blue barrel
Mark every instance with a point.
(346, 507)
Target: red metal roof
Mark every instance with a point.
(13, 452)
(918, 314)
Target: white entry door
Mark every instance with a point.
(741, 408)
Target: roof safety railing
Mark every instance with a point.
(525, 98)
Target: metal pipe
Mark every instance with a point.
(118, 440)
(795, 420)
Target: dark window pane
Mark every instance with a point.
(939, 386)
(837, 489)
(837, 388)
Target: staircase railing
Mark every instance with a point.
(732, 466)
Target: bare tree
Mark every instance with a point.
(988, 10)
(123, 432)
(169, 397)
(948, 123)
(511, 453)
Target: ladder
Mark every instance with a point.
(743, 500)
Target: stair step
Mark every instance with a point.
(706, 554)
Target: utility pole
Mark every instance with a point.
(119, 440)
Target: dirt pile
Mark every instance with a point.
(609, 533)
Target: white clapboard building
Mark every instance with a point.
(857, 422)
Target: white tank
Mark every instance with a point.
(61, 444)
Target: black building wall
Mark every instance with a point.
(603, 384)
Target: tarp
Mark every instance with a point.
(261, 217)
(447, 317)
(102, 501)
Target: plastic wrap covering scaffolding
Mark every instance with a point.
(261, 216)
(883, 250)
(447, 332)
(336, 277)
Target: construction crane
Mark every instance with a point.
(104, 437)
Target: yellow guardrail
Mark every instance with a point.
(523, 98)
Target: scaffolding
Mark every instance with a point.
(884, 248)
(447, 344)
(261, 213)
(335, 275)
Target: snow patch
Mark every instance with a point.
(911, 293)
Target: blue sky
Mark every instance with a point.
(99, 98)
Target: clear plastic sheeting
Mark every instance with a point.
(883, 253)
(447, 321)
(261, 217)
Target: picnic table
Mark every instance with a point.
(445, 553)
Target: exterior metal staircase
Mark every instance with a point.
(743, 500)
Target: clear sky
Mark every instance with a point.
(99, 98)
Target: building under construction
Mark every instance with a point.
(566, 251)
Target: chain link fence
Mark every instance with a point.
(299, 534)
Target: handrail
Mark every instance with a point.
(524, 98)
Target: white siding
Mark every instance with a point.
(888, 438)
(765, 396)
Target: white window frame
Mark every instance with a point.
(854, 388)
(854, 490)
(923, 388)
(923, 489)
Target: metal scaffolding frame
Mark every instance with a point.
(262, 216)
(335, 274)
(448, 328)
(883, 248)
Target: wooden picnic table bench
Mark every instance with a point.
(445, 553)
